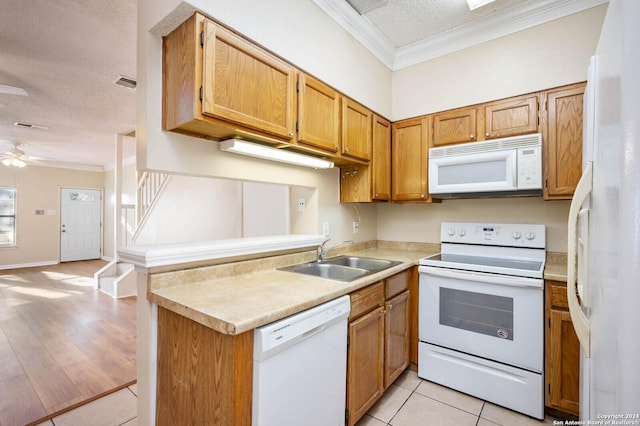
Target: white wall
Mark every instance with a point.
(542, 57)
(193, 209)
(421, 223)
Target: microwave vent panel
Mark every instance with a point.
(514, 142)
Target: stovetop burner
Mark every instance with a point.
(508, 249)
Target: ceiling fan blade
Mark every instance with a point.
(13, 90)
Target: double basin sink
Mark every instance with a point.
(342, 268)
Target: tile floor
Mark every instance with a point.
(116, 409)
(410, 401)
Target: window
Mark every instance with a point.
(7, 217)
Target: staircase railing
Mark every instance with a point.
(150, 186)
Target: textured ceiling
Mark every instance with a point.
(66, 54)
(407, 21)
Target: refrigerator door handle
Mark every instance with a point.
(579, 319)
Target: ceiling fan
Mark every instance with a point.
(14, 156)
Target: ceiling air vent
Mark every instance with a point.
(127, 82)
(30, 125)
(366, 6)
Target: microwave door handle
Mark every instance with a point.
(578, 317)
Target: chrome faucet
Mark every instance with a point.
(322, 253)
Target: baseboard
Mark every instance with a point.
(29, 265)
(107, 258)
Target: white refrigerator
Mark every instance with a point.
(604, 226)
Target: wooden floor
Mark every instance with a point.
(62, 342)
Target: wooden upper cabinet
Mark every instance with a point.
(455, 126)
(246, 85)
(563, 141)
(356, 130)
(511, 117)
(318, 115)
(381, 159)
(372, 182)
(409, 160)
(217, 84)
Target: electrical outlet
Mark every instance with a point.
(302, 204)
(325, 229)
(356, 225)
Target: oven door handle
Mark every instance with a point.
(482, 277)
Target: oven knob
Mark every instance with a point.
(516, 235)
(530, 235)
(462, 232)
(451, 232)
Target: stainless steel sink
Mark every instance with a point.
(342, 268)
(372, 265)
(326, 270)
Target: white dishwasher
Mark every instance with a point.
(300, 368)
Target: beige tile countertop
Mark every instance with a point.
(235, 298)
(555, 267)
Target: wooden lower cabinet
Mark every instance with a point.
(365, 383)
(204, 377)
(562, 353)
(378, 342)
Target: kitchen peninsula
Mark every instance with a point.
(204, 305)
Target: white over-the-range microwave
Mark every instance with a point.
(500, 167)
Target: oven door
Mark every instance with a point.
(492, 316)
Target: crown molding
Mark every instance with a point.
(360, 28)
(516, 19)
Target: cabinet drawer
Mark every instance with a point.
(396, 284)
(558, 295)
(366, 299)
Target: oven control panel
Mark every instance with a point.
(504, 234)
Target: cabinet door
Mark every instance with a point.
(562, 352)
(409, 160)
(563, 142)
(356, 130)
(564, 363)
(455, 126)
(243, 84)
(365, 360)
(396, 337)
(318, 114)
(511, 117)
(381, 159)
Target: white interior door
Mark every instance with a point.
(80, 224)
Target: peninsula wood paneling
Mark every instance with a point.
(204, 377)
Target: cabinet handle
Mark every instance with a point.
(291, 133)
(390, 307)
(421, 195)
(346, 150)
(337, 147)
(488, 134)
(376, 195)
(472, 136)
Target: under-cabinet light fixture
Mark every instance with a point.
(474, 4)
(260, 151)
